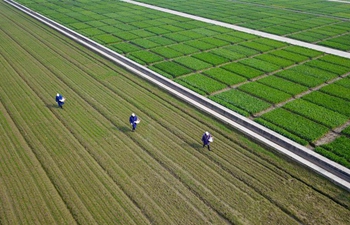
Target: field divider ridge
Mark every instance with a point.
(336, 173)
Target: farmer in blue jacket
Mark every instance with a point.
(60, 100)
(206, 139)
(133, 121)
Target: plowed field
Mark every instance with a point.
(83, 165)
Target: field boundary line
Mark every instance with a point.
(336, 173)
(247, 30)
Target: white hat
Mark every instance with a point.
(133, 114)
(58, 94)
(207, 133)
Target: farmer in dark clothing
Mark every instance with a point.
(60, 100)
(133, 121)
(206, 139)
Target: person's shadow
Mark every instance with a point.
(123, 129)
(52, 106)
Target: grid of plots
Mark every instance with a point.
(245, 73)
(321, 22)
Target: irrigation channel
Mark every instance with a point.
(327, 168)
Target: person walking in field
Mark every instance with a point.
(206, 139)
(133, 121)
(60, 100)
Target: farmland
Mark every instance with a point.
(83, 165)
(218, 62)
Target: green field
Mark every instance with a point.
(214, 61)
(83, 165)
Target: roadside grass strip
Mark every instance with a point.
(338, 150)
(283, 85)
(192, 63)
(331, 102)
(317, 113)
(202, 82)
(264, 92)
(296, 124)
(245, 102)
(243, 70)
(224, 76)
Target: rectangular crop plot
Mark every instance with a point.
(145, 43)
(146, 56)
(225, 76)
(257, 46)
(303, 51)
(316, 113)
(289, 55)
(242, 50)
(172, 68)
(323, 65)
(214, 41)
(183, 48)
(193, 63)
(281, 62)
(267, 93)
(211, 58)
(330, 102)
(337, 90)
(267, 67)
(227, 54)
(243, 101)
(241, 69)
(107, 39)
(283, 85)
(303, 79)
(340, 147)
(166, 52)
(315, 72)
(296, 124)
(202, 82)
(201, 45)
(125, 47)
(337, 60)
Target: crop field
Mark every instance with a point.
(83, 165)
(253, 76)
(321, 22)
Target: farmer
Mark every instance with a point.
(133, 121)
(60, 100)
(206, 139)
